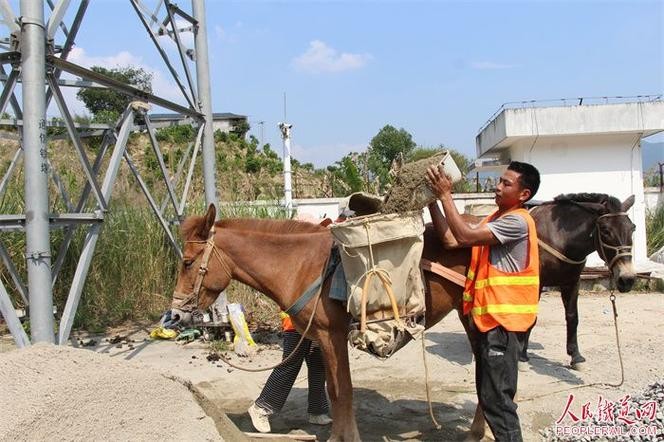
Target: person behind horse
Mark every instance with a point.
(281, 380)
(502, 286)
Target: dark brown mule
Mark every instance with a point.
(281, 259)
(575, 225)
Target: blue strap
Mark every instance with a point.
(332, 263)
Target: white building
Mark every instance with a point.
(579, 148)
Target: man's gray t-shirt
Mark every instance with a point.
(511, 255)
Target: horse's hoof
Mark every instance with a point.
(578, 366)
(524, 366)
(473, 437)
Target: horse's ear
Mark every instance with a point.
(210, 218)
(629, 202)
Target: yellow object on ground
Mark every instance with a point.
(163, 333)
(243, 343)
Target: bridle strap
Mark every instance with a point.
(210, 247)
(621, 251)
(559, 255)
(555, 252)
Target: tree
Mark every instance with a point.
(107, 105)
(388, 143)
(347, 176)
(241, 128)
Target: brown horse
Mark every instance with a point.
(281, 259)
(574, 226)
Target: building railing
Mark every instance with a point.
(580, 101)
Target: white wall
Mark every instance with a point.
(222, 125)
(319, 208)
(331, 207)
(653, 198)
(596, 163)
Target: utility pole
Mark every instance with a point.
(285, 129)
(205, 103)
(38, 242)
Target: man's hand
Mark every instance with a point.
(438, 182)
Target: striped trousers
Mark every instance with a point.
(281, 380)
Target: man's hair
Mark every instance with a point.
(530, 177)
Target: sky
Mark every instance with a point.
(438, 69)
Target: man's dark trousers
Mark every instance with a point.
(496, 375)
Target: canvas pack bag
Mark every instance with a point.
(381, 256)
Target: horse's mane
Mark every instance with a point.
(192, 226)
(612, 203)
(270, 225)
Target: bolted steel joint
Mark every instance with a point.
(37, 255)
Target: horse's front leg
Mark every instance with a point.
(339, 386)
(570, 296)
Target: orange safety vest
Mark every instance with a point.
(502, 298)
(286, 322)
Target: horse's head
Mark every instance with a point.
(205, 269)
(613, 241)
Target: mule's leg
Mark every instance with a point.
(525, 339)
(523, 355)
(570, 296)
(339, 386)
(478, 426)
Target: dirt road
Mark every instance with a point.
(390, 397)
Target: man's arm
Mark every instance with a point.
(442, 229)
(464, 234)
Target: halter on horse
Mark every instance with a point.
(185, 305)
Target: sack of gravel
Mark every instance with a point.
(410, 190)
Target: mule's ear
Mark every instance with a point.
(210, 218)
(629, 202)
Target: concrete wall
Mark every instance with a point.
(319, 208)
(222, 125)
(581, 178)
(653, 198)
(478, 203)
(608, 164)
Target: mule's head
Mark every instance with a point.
(613, 240)
(205, 270)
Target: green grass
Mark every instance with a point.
(655, 229)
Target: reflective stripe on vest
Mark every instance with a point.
(505, 308)
(507, 280)
(502, 298)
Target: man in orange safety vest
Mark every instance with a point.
(502, 286)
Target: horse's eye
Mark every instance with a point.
(187, 263)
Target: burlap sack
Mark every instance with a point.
(389, 245)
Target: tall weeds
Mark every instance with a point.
(655, 229)
(134, 267)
